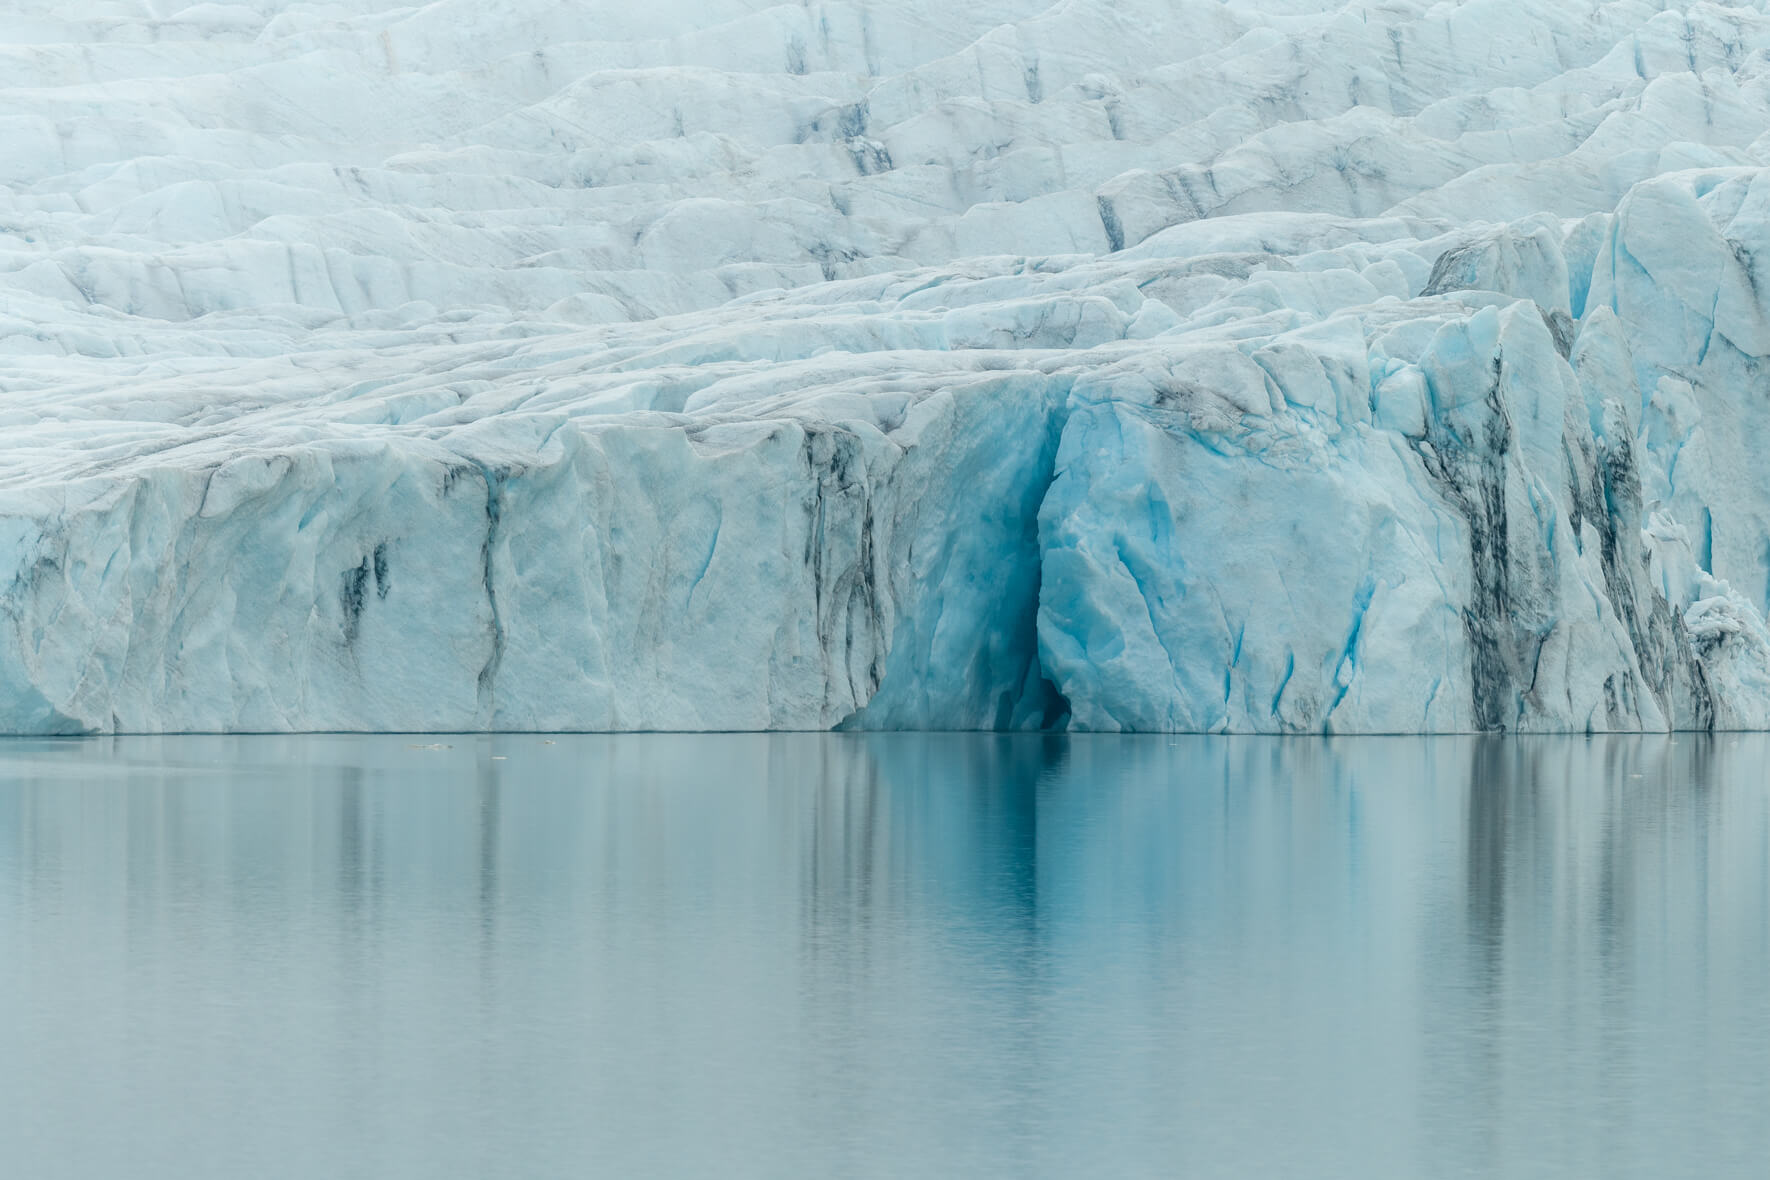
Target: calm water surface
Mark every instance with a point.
(895, 955)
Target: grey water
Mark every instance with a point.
(903, 955)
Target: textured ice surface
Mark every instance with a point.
(718, 364)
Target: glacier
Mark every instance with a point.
(1247, 366)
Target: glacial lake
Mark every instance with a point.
(903, 955)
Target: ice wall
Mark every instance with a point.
(1240, 367)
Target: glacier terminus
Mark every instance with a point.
(1245, 366)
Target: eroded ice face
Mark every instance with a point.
(724, 365)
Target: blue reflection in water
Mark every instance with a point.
(884, 955)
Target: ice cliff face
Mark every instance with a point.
(1120, 364)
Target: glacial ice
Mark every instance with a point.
(1217, 365)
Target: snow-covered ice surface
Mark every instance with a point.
(1260, 365)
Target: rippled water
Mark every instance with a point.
(884, 955)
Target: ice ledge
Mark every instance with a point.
(1465, 511)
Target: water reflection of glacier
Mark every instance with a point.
(884, 955)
